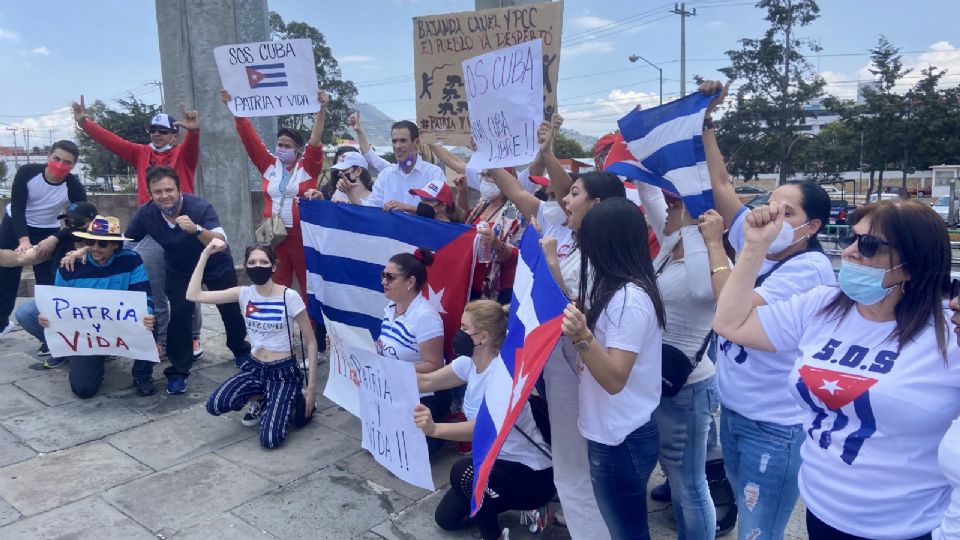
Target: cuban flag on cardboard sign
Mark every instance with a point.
(346, 248)
(844, 417)
(665, 146)
(533, 329)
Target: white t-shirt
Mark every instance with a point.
(267, 328)
(516, 447)
(400, 337)
(752, 382)
(873, 416)
(551, 220)
(949, 458)
(628, 323)
(393, 184)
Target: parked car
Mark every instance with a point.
(831, 191)
(839, 209)
(883, 197)
(942, 207)
(759, 200)
(749, 190)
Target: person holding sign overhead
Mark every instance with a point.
(522, 475)
(107, 265)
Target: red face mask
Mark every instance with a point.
(59, 168)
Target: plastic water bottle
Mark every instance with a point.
(484, 248)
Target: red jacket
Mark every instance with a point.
(303, 175)
(182, 158)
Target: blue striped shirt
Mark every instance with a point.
(124, 271)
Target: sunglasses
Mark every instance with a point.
(388, 276)
(955, 288)
(70, 224)
(867, 244)
(160, 130)
(101, 243)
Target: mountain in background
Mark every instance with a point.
(376, 124)
(585, 141)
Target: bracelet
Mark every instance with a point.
(707, 122)
(719, 269)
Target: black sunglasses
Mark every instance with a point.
(101, 243)
(955, 288)
(160, 130)
(388, 276)
(867, 244)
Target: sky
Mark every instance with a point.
(106, 49)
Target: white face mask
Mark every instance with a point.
(785, 238)
(489, 190)
(163, 148)
(552, 212)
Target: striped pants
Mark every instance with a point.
(277, 381)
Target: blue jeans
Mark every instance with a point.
(619, 475)
(762, 460)
(684, 422)
(27, 315)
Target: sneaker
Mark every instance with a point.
(7, 329)
(53, 363)
(537, 520)
(661, 493)
(239, 361)
(505, 535)
(176, 386)
(197, 349)
(43, 350)
(252, 416)
(145, 388)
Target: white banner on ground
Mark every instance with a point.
(388, 394)
(269, 78)
(87, 322)
(505, 98)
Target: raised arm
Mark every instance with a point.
(258, 152)
(727, 202)
(194, 290)
(124, 149)
(711, 230)
(313, 153)
(448, 158)
(510, 187)
(560, 180)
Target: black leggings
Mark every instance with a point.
(512, 486)
(818, 530)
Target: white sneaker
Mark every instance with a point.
(7, 329)
(197, 349)
(505, 534)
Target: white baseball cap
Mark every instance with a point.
(350, 159)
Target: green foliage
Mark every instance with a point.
(342, 93)
(564, 147)
(3, 171)
(129, 121)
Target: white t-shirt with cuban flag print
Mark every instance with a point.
(873, 415)
(267, 327)
(751, 382)
(400, 337)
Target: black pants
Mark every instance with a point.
(512, 486)
(179, 330)
(818, 530)
(439, 405)
(10, 277)
(86, 374)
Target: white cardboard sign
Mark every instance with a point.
(269, 78)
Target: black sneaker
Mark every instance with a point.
(43, 350)
(144, 388)
(253, 414)
(661, 493)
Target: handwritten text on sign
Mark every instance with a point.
(504, 95)
(442, 42)
(388, 394)
(86, 322)
(269, 78)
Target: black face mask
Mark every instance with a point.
(427, 211)
(463, 344)
(259, 274)
(541, 194)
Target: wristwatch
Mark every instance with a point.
(198, 231)
(584, 344)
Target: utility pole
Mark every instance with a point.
(26, 142)
(16, 160)
(159, 85)
(681, 10)
(784, 89)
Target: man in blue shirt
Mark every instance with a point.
(106, 266)
(183, 225)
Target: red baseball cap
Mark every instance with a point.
(435, 189)
(540, 180)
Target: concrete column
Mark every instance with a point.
(188, 32)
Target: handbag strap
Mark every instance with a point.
(303, 367)
(529, 438)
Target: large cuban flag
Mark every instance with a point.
(346, 248)
(533, 329)
(665, 147)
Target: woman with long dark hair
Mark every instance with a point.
(876, 376)
(618, 332)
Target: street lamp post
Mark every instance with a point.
(635, 57)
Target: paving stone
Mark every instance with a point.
(14, 402)
(17, 365)
(330, 503)
(52, 386)
(303, 452)
(223, 527)
(339, 419)
(161, 404)
(51, 480)
(89, 518)
(179, 437)
(12, 450)
(8, 514)
(187, 494)
(363, 464)
(55, 428)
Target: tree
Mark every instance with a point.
(129, 122)
(564, 147)
(775, 79)
(342, 93)
(3, 172)
(742, 135)
(826, 156)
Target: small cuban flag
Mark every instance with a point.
(266, 75)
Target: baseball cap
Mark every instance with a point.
(81, 210)
(163, 120)
(435, 189)
(540, 180)
(350, 159)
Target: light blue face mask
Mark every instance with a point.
(864, 284)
